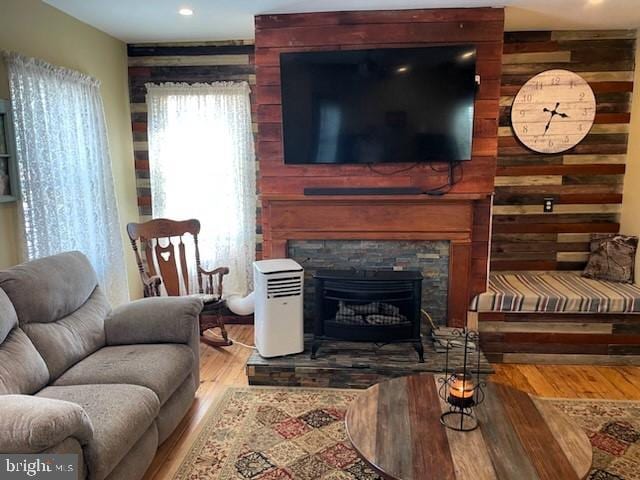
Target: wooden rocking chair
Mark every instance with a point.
(166, 258)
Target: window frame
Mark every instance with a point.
(10, 156)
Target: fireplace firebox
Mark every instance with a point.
(380, 306)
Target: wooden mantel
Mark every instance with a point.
(419, 218)
(462, 216)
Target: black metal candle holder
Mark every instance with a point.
(459, 389)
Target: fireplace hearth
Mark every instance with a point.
(380, 306)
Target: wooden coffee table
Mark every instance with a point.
(395, 426)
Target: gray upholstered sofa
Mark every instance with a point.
(77, 377)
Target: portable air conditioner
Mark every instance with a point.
(278, 307)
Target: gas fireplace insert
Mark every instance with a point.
(380, 306)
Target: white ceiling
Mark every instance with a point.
(158, 20)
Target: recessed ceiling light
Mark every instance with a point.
(595, 2)
(185, 11)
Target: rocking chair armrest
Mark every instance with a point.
(217, 271)
(150, 284)
(155, 280)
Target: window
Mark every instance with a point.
(202, 166)
(64, 168)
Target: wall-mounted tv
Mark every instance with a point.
(378, 106)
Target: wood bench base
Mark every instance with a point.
(560, 338)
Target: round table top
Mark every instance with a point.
(395, 426)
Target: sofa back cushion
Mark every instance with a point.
(22, 369)
(59, 306)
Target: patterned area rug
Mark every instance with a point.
(264, 433)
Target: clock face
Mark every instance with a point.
(553, 111)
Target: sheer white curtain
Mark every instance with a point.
(68, 200)
(202, 164)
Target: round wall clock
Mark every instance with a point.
(553, 111)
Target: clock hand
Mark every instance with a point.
(553, 114)
(556, 112)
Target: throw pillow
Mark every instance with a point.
(612, 258)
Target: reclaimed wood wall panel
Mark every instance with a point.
(203, 62)
(483, 27)
(585, 182)
(560, 338)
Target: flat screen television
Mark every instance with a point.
(378, 106)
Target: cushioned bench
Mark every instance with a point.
(556, 292)
(558, 317)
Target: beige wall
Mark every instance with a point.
(35, 29)
(630, 223)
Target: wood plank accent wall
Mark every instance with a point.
(585, 182)
(482, 27)
(376, 29)
(200, 62)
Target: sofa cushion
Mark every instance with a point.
(22, 369)
(50, 288)
(120, 415)
(68, 340)
(160, 367)
(555, 292)
(59, 306)
(8, 316)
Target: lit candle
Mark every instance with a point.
(461, 390)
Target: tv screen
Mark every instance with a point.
(378, 106)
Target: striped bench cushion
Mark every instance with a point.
(555, 292)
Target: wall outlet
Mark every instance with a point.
(547, 205)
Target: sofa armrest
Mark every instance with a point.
(158, 320)
(154, 320)
(31, 424)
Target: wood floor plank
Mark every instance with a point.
(537, 379)
(512, 377)
(582, 381)
(620, 383)
(632, 374)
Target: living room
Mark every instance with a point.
(319, 240)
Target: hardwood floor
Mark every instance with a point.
(220, 368)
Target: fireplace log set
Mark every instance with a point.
(374, 313)
(379, 306)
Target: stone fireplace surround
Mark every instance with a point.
(430, 257)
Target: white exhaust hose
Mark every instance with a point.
(241, 305)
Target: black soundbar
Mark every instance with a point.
(363, 191)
